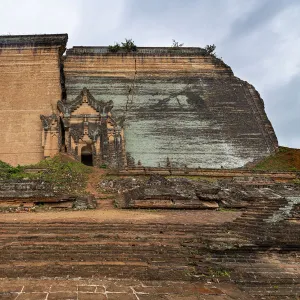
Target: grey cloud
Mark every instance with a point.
(194, 22)
(240, 28)
(263, 12)
(284, 111)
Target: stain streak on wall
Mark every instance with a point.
(179, 105)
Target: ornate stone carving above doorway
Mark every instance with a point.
(87, 131)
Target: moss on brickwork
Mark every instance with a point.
(9, 172)
(286, 159)
(66, 175)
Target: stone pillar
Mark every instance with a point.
(51, 135)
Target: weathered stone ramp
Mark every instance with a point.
(256, 255)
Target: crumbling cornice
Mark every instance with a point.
(103, 50)
(32, 41)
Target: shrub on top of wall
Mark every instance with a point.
(127, 46)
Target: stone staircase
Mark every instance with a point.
(105, 201)
(260, 256)
(151, 251)
(266, 262)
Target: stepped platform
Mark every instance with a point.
(153, 254)
(271, 176)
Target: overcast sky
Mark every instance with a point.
(259, 39)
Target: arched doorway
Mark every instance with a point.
(87, 155)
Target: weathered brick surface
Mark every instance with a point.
(25, 189)
(182, 106)
(257, 252)
(30, 86)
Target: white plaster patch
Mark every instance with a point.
(284, 212)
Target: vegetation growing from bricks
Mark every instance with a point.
(286, 159)
(127, 46)
(176, 44)
(9, 172)
(218, 273)
(210, 50)
(67, 176)
(114, 48)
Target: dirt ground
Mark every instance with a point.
(125, 216)
(110, 253)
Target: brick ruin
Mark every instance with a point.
(86, 130)
(156, 107)
(228, 254)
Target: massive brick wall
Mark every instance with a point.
(179, 105)
(30, 85)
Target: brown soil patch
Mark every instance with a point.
(286, 159)
(126, 216)
(93, 180)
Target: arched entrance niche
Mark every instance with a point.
(87, 155)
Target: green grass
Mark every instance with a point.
(285, 159)
(224, 209)
(66, 176)
(219, 273)
(9, 172)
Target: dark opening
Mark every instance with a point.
(87, 159)
(86, 155)
(63, 141)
